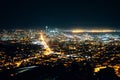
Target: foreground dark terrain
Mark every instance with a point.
(75, 71)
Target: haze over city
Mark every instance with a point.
(59, 40)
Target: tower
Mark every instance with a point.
(46, 28)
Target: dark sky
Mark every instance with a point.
(59, 13)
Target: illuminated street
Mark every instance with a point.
(46, 47)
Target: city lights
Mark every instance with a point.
(93, 31)
(38, 47)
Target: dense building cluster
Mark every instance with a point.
(21, 48)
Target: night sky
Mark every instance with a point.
(59, 13)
